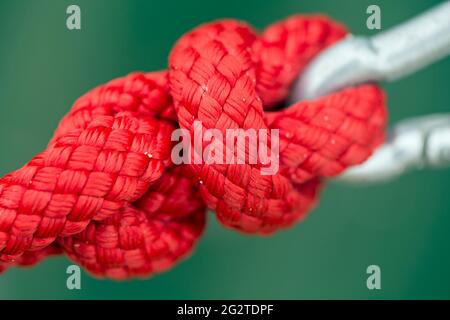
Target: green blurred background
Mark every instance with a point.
(402, 226)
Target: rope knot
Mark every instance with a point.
(106, 190)
(224, 76)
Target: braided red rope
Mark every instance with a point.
(106, 193)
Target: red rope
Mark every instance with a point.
(106, 193)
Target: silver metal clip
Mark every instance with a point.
(387, 56)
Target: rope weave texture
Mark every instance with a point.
(106, 193)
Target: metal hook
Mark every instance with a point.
(413, 144)
(389, 55)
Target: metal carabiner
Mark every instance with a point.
(389, 55)
(422, 142)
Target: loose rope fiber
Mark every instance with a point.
(106, 192)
